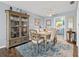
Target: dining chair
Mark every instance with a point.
(43, 45)
(52, 39)
(54, 36)
(35, 39)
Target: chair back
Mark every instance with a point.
(33, 35)
(53, 33)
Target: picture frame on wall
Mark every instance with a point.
(48, 22)
(37, 21)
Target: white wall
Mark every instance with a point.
(78, 27)
(3, 7)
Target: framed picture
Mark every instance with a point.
(37, 21)
(48, 22)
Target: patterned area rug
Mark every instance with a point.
(58, 50)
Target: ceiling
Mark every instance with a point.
(43, 7)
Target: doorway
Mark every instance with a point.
(60, 26)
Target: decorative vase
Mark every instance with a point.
(11, 8)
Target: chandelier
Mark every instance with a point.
(51, 12)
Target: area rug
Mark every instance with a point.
(58, 50)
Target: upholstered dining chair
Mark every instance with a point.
(54, 35)
(52, 39)
(35, 39)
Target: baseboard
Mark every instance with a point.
(2, 47)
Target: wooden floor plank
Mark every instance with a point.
(8, 53)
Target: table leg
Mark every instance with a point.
(37, 48)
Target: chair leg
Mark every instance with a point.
(55, 40)
(32, 49)
(37, 48)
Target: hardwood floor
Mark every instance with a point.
(75, 51)
(9, 53)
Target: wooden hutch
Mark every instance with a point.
(17, 28)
